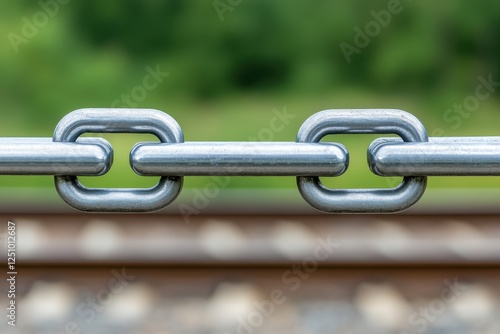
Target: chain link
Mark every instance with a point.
(413, 156)
(440, 156)
(235, 158)
(118, 121)
(357, 121)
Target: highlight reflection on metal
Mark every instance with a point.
(362, 121)
(118, 120)
(414, 156)
(234, 158)
(447, 156)
(42, 156)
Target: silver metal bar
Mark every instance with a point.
(42, 156)
(239, 158)
(361, 121)
(441, 156)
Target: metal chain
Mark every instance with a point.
(413, 156)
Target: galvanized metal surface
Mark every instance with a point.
(42, 156)
(362, 121)
(118, 120)
(447, 156)
(242, 159)
(414, 156)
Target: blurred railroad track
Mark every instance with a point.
(258, 240)
(339, 274)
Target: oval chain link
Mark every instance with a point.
(413, 156)
(357, 121)
(124, 121)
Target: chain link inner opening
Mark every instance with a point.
(358, 174)
(121, 174)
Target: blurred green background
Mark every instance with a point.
(234, 65)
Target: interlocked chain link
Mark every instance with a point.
(413, 156)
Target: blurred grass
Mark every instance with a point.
(242, 117)
(226, 77)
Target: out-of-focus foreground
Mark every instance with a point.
(258, 274)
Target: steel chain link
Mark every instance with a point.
(413, 156)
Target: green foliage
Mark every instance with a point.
(226, 76)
